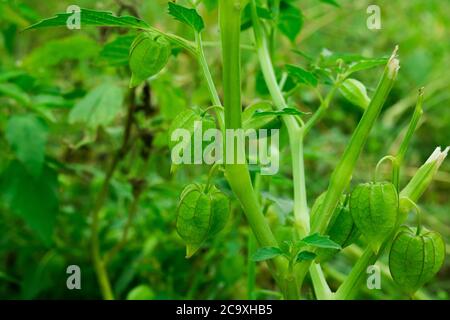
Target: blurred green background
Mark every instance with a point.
(45, 218)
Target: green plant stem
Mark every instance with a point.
(324, 105)
(418, 111)
(295, 132)
(99, 264)
(342, 174)
(209, 80)
(176, 40)
(321, 288)
(251, 267)
(237, 174)
(350, 285)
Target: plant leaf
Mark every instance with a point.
(92, 18)
(187, 16)
(117, 52)
(365, 64)
(266, 253)
(290, 21)
(27, 136)
(320, 241)
(305, 256)
(285, 112)
(302, 75)
(355, 92)
(331, 2)
(99, 107)
(35, 199)
(15, 92)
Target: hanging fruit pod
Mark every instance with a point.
(341, 228)
(201, 214)
(374, 208)
(414, 259)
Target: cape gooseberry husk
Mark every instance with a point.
(374, 208)
(414, 259)
(149, 53)
(201, 214)
(341, 228)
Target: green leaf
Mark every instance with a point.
(99, 107)
(331, 2)
(92, 18)
(27, 136)
(266, 253)
(210, 4)
(149, 54)
(15, 92)
(285, 112)
(187, 16)
(290, 21)
(246, 18)
(117, 52)
(78, 47)
(302, 75)
(305, 256)
(365, 64)
(141, 292)
(355, 92)
(34, 199)
(320, 241)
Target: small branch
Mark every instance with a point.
(99, 265)
(131, 215)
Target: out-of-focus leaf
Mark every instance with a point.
(77, 47)
(117, 52)
(210, 4)
(290, 21)
(302, 75)
(99, 107)
(266, 253)
(285, 112)
(34, 199)
(92, 18)
(141, 292)
(27, 136)
(170, 99)
(305, 256)
(331, 2)
(365, 64)
(15, 92)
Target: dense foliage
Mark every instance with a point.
(87, 179)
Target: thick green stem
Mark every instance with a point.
(237, 174)
(350, 285)
(321, 288)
